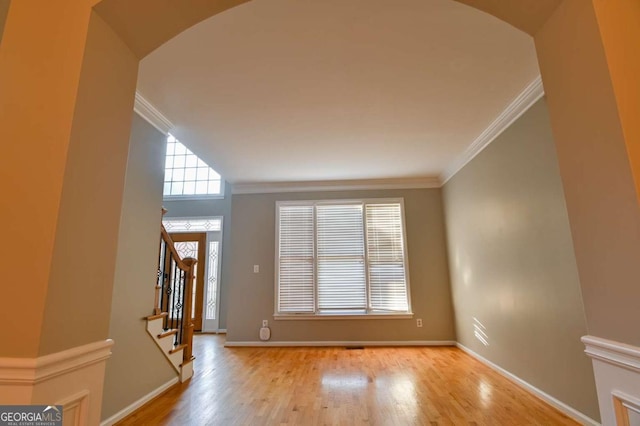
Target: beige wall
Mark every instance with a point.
(251, 296)
(192, 208)
(40, 60)
(526, 15)
(595, 168)
(619, 23)
(146, 24)
(80, 283)
(512, 263)
(137, 365)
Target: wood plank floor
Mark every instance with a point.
(335, 386)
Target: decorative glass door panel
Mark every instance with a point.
(193, 245)
(212, 281)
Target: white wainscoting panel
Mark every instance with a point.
(616, 367)
(73, 378)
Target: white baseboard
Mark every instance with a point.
(139, 403)
(342, 343)
(569, 411)
(222, 331)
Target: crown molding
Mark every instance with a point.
(529, 96)
(146, 110)
(334, 185)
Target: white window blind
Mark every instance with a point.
(341, 258)
(296, 258)
(385, 247)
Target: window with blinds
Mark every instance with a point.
(341, 258)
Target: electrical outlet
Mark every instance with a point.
(419, 322)
(256, 269)
(265, 323)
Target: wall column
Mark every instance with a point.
(67, 83)
(592, 141)
(40, 65)
(586, 54)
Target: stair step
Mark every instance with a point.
(168, 333)
(158, 316)
(187, 362)
(177, 348)
(186, 370)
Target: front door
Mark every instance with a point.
(194, 245)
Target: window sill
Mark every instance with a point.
(293, 317)
(192, 197)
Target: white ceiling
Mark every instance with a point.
(315, 90)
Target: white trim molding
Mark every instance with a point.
(139, 403)
(146, 110)
(614, 353)
(616, 368)
(529, 96)
(29, 371)
(626, 408)
(334, 185)
(76, 408)
(566, 409)
(327, 343)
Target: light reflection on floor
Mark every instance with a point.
(400, 388)
(403, 391)
(485, 390)
(340, 381)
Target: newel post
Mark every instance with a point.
(188, 326)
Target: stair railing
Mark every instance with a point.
(174, 293)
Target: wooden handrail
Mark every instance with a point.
(174, 292)
(171, 245)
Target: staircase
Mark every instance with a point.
(171, 325)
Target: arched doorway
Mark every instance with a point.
(67, 74)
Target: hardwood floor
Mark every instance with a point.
(336, 386)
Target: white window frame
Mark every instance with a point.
(329, 316)
(187, 197)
